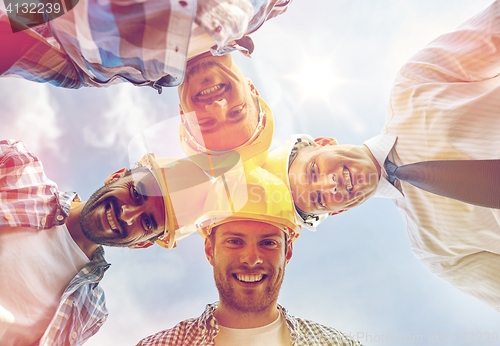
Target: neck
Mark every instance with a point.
(75, 230)
(233, 318)
(374, 160)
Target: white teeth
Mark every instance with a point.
(211, 89)
(249, 277)
(347, 178)
(110, 219)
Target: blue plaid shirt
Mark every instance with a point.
(102, 42)
(202, 331)
(29, 199)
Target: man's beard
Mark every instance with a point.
(247, 303)
(90, 227)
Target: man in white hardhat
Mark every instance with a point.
(249, 226)
(444, 109)
(52, 260)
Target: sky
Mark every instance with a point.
(326, 68)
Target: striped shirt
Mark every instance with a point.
(29, 199)
(204, 329)
(445, 105)
(99, 43)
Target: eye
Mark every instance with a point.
(314, 172)
(233, 242)
(147, 224)
(237, 112)
(136, 196)
(270, 243)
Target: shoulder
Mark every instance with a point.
(313, 333)
(185, 332)
(15, 155)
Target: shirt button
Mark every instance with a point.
(43, 221)
(74, 335)
(7, 216)
(60, 217)
(218, 29)
(183, 3)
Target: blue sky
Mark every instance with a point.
(326, 68)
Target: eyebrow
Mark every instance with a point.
(241, 235)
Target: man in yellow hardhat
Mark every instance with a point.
(52, 260)
(249, 226)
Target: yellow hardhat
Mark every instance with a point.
(184, 187)
(217, 161)
(249, 193)
(278, 163)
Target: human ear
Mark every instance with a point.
(141, 245)
(209, 250)
(289, 252)
(325, 141)
(113, 176)
(337, 212)
(253, 89)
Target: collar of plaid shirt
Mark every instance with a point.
(204, 329)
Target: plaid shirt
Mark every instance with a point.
(29, 199)
(204, 329)
(99, 43)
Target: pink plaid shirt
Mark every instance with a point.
(27, 197)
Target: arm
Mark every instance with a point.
(29, 55)
(27, 197)
(476, 275)
(469, 53)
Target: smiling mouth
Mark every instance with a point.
(249, 278)
(114, 227)
(207, 91)
(347, 178)
(209, 95)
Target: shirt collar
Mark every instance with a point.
(207, 319)
(380, 147)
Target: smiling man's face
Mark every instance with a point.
(249, 260)
(328, 177)
(128, 210)
(218, 104)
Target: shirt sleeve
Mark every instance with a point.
(27, 197)
(476, 275)
(469, 53)
(28, 54)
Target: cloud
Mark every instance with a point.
(28, 113)
(128, 112)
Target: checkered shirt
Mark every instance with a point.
(204, 329)
(29, 199)
(102, 42)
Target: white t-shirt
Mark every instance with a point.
(274, 334)
(36, 266)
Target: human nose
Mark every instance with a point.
(251, 255)
(129, 214)
(328, 183)
(217, 108)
